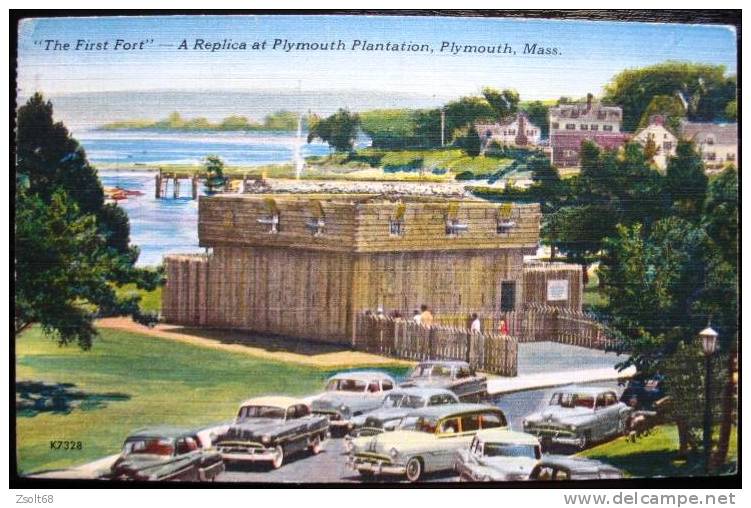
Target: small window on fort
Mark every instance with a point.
(555, 125)
(584, 127)
(607, 127)
(570, 126)
(396, 227)
(396, 221)
(505, 219)
(594, 127)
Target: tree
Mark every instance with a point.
(504, 104)
(215, 179)
(703, 88)
(721, 223)
(469, 141)
(686, 182)
(465, 112)
(669, 107)
(71, 249)
(537, 112)
(338, 130)
(654, 285)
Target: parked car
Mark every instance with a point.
(428, 441)
(559, 467)
(456, 376)
(351, 394)
(269, 429)
(398, 404)
(642, 393)
(164, 454)
(498, 455)
(579, 416)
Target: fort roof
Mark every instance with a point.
(362, 222)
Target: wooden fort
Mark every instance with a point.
(305, 265)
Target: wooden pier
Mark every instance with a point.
(163, 179)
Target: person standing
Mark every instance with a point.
(416, 316)
(475, 326)
(426, 317)
(503, 327)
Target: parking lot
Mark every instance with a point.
(330, 465)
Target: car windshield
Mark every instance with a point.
(426, 425)
(412, 401)
(571, 400)
(346, 385)
(511, 450)
(260, 412)
(434, 370)
(407, 423)
(393, 400)
(149, 446)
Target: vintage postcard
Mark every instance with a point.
(290, 248)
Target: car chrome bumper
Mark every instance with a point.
(256, 455)
(565, 437)
(375, 467)
(208, 473)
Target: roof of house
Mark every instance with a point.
(505, 122)
(594, 111)
(723, 133)
(573, 140)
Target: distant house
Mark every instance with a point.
(515, 131)
(572, 124)
(662, 137)
(717, 142)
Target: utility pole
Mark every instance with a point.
(443, 127)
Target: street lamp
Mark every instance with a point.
(709, 344)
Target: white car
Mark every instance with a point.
(498, 455)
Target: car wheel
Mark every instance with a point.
(621, 427)
(413, 469)
(278, 459)
(315, 446)
(585, 440)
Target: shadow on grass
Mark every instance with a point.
(273, 343)
(35, 397)
(655, 463)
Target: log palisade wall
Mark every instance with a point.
(296, 283)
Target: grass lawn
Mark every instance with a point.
(655, 454)
(127, 381)
(593, 294)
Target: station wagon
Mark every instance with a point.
(435, 435)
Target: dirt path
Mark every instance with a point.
(323, 356)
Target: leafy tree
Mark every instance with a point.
(704, 88)
(71, 248)
(686, 182)
(731, 111)
(670, 107)
(469, 142)
(504, 104)
(663, 287)
(537, 112)
(215, 179)
(721, 223)
(463, 113)
(338, 130)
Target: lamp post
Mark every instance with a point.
(709, 343)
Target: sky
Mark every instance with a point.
(590, 54)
